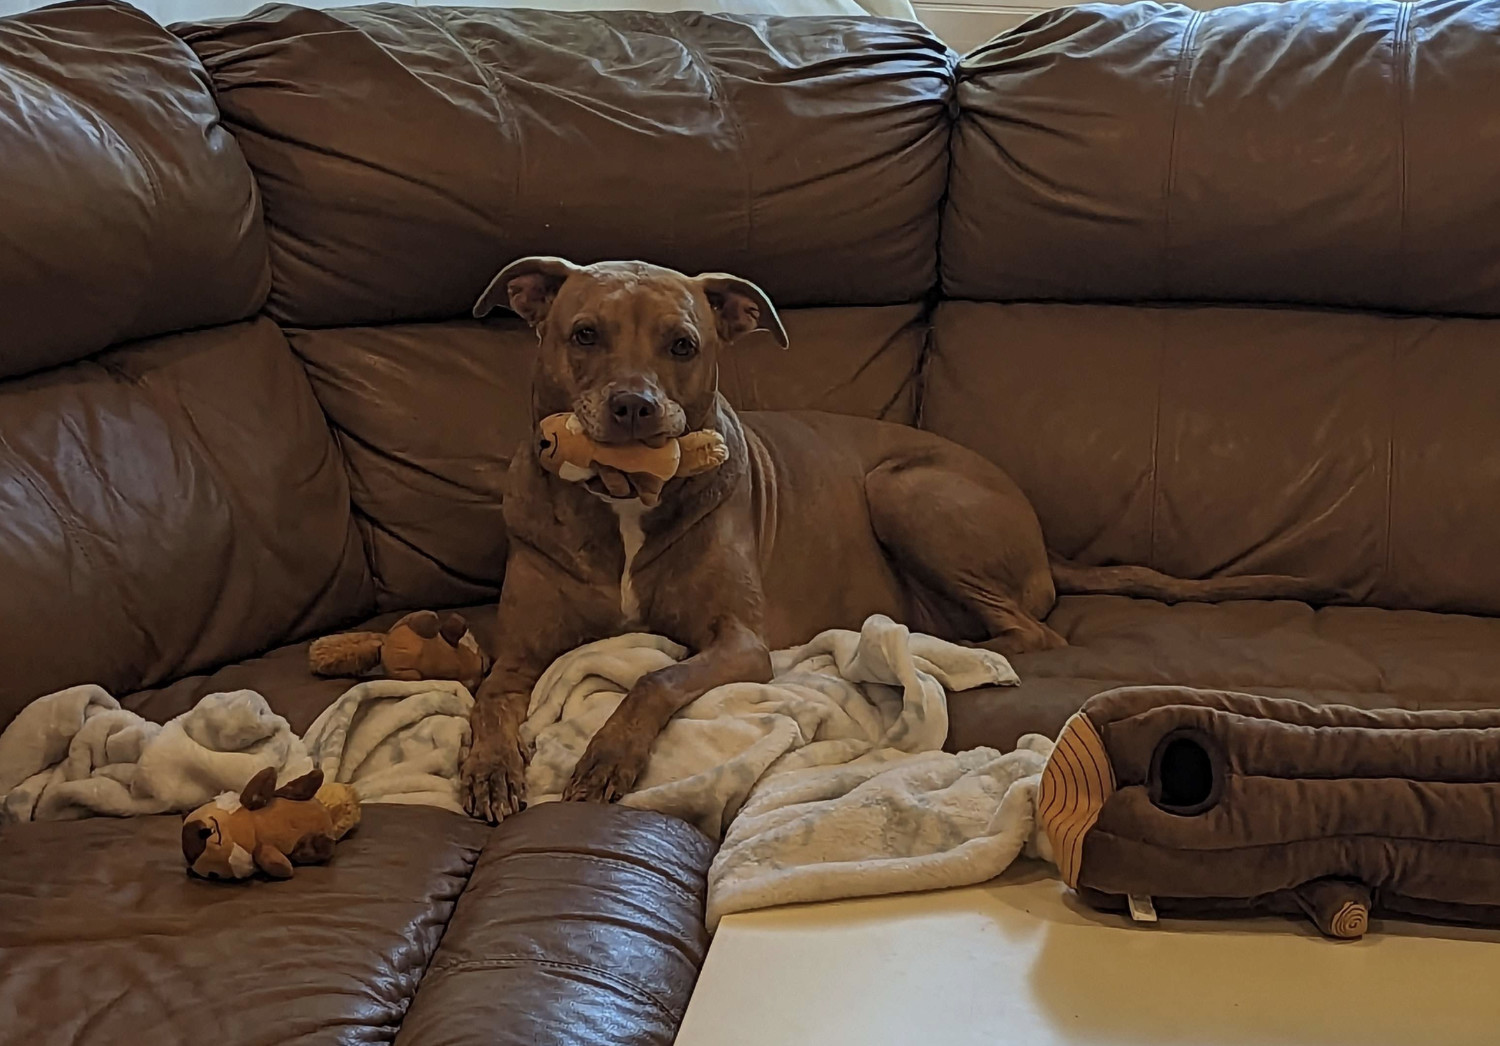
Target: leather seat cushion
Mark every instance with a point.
(583, 924)
(107, 939)
(1360, 656)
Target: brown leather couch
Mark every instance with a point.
(1220, 290)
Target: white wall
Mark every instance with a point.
(966, 25)
(168, 11)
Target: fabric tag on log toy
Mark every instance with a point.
(1141, 909)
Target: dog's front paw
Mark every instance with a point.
(492, 781)
(608, 770)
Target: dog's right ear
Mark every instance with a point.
(527, 286)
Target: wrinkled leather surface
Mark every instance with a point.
(106, 940)
(1360, 451)
(126, 209)
(806, 154)
(1360, 656)
(582, 925)
(166, 507)
(1329, 154)
(428, 415)
(845, 361)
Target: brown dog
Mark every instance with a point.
(815, 521)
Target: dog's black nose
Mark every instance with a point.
(634, 415)
(633, 407)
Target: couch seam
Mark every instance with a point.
(722, 95)
(1400, 57)
(1180, 77)
(437, 969)
(1161, 376)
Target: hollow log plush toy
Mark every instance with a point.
(419, 646)
(630, 468)
(268, 829)
(1200, 802)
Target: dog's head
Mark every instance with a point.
(630, 348)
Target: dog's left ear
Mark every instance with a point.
(740, 307)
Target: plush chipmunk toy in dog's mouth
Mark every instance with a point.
(627, 470)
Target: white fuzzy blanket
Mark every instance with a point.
(77, 753)
(830, 778)
(827, 782)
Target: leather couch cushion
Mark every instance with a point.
(428, 416)
(1325, 153)
(106, 939)
(167, 507)
(127, 209)
(581, 924)
(1360, 451)
(1360, 656)
(846, 361)
(407, 153)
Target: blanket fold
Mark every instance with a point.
(827, 782)
(77, 753)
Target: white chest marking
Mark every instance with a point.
(631, 536)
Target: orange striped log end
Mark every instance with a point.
(1076, 782)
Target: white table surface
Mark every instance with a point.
(1021, 961)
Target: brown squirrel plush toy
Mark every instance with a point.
(567, 451)
(268, 829)
(419, 646)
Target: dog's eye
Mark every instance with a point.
(585, 336)
(683, 348)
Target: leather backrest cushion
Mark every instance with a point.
(1321, 153)
(428, 416)
(165, 508)
(127, 209)
(1359, 451)
(845, 361)
(408, 153)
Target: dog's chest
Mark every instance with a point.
(632, 537)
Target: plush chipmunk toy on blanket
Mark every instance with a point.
(629, 468)
(419, 646)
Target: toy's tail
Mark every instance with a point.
(1144, 583)
(343, 806)
(349, 654)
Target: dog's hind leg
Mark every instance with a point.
(961, 528)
